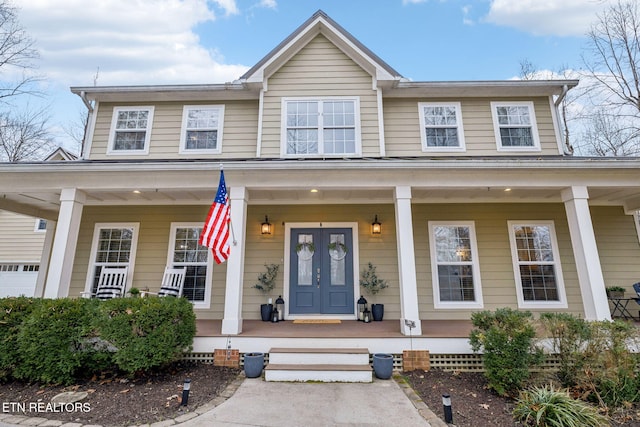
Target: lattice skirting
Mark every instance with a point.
(445, 362)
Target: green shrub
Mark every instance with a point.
(51, 341)
(611, 368)
(147, 332)
(13, 312)
(506, 339)
(548, 407)
(570, 335)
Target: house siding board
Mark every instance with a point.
(239, 138)
(618, 246)
(18, 240)
(402, 127)
(320, 70)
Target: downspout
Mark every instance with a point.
(557, 103)
(83, 96)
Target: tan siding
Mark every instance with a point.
(618, 246)
(320, 69)
(239, 133)
(402, 127)
(18, 240)
(494, 252)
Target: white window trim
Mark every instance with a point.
(206, 304)
(320, 153)
(562, 297)
(183, 129)
(534, 125)
(423, 136)
(475, 266)
(636, 221)
(112, 131)
(37, 228)
(94, 251)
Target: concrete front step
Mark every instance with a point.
(316, 372)
(319, 356)
(319, 364)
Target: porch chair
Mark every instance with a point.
(636, 287)
(111, 283)
(172, 282)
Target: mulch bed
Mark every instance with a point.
(121, 401)
(473, 404)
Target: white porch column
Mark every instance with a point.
(232, 321)
(585, 252)
(45, 258)
(406, 262)
(64, 243)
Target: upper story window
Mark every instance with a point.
(202, 129)
(536, 264)
(515, 126)
(130, 130)
(321, 126)
(441, 125)
(455, 266)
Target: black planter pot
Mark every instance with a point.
(253, 364)
(265, 312)
(377, 310)
(383, 365)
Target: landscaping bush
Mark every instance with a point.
(50, 341)
(13, 312)
(570, 335)
(506, 339)
(611, 368)
(548, 407)
(147, 332)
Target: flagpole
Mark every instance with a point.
(233, 232)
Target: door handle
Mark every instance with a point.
(318, 278)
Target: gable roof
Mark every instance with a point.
(320, 23)
(61, 154)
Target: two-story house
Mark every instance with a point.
(476, 204)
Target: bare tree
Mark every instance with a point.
(24, 136)
(76, 129)
(17, 56)
(607, 135)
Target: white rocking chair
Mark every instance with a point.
(111, 283)
(172, 282)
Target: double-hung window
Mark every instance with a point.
(441, 126)
(114, 245)
(202, 129)
(185, 251)
(515, 126)
(536, 265)
(313, 127)
(130, 130)
(455, 266)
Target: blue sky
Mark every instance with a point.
(133, 42)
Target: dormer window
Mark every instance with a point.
(515, 126)
(130, 130)
(321, 126)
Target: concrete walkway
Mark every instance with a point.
(256, 403)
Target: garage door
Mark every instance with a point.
(18, 279)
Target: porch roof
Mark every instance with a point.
(34, 188)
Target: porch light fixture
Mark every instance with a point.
(265, 228)
(376, 227)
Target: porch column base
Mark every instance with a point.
(231, 326)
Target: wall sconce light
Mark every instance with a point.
(376, 227)
(265, 228)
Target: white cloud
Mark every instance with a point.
(547, 17)
(269, 4)
(131, 41)
(413, 1)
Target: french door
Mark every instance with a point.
(321, 271)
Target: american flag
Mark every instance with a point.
(215, 233)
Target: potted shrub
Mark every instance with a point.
(253, 364)
(372, 284)
(266, 283)
(615, 292)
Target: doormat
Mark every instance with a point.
(317, 321)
